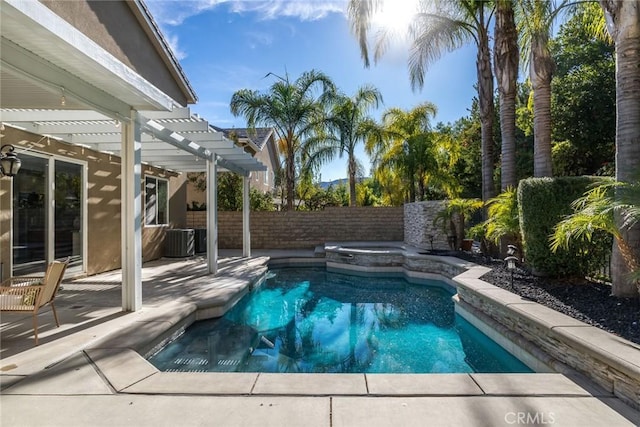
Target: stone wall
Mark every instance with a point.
(608, 360)
(296, 229)
(418, 225)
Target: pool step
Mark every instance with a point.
(190, 361)
(319, 252)
(185, 370)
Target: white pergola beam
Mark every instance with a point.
(24, 115)
(184, 126)
(108, 126)
(176, 113)
(164, 143)
(69, 128)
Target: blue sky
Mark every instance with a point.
(227, 45)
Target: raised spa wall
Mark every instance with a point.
(542, 338)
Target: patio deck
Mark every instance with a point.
(85, 373)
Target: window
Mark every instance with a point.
(156, 201)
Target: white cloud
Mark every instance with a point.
(172, 13)
(259, 38)
(175, 12)
(304, 10)
(175, 48)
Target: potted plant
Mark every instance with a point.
(452, 219)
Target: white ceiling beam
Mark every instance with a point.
(97, 127)
(24, 115)
(62, 128)
(115, 138)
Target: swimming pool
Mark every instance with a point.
(311, 320)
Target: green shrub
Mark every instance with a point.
(542, 203)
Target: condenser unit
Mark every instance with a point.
(179, 243)
(201, 240)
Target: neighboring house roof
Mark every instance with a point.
(257, 137)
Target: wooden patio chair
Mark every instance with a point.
(30, 294)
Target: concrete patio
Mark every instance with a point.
(87, 373)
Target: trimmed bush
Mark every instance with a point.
(542, 203)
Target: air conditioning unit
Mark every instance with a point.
(201, 240)
(179, 243)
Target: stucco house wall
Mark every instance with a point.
(103, 202)
(119, 28)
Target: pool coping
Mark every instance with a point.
(118, 357)
(94, 377)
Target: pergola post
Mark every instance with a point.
(246, 209)
(212, 215)
(131, 211)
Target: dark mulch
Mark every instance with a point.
(582, 299)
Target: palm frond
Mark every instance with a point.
(360, 13)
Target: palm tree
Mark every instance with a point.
(346, 125)
(292, 108)
(503, 218)
(624, 26)
(404, 143)
(446, 26)
(505, 62)
(405, 146)
(611, 208)
(452, 218)
(536, 19)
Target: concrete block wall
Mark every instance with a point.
(296, 229)
(418, 225)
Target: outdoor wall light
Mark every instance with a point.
(511, 262)
(9, 161)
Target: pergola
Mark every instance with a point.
(57, 82)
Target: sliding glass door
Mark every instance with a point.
(68, 217)
(48, 214)
(30, 216)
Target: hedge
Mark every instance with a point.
(542, 203)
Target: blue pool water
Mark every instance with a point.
(311, 320)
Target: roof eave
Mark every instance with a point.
(151, 28)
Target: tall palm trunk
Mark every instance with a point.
(505, 59)
(353, 167)
(412, 186)
(421, 187)
(624, 26)
(540, 73)
(291, 172)
(487, 110)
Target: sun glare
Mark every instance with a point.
(395, 16)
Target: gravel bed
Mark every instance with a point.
(582, 299)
